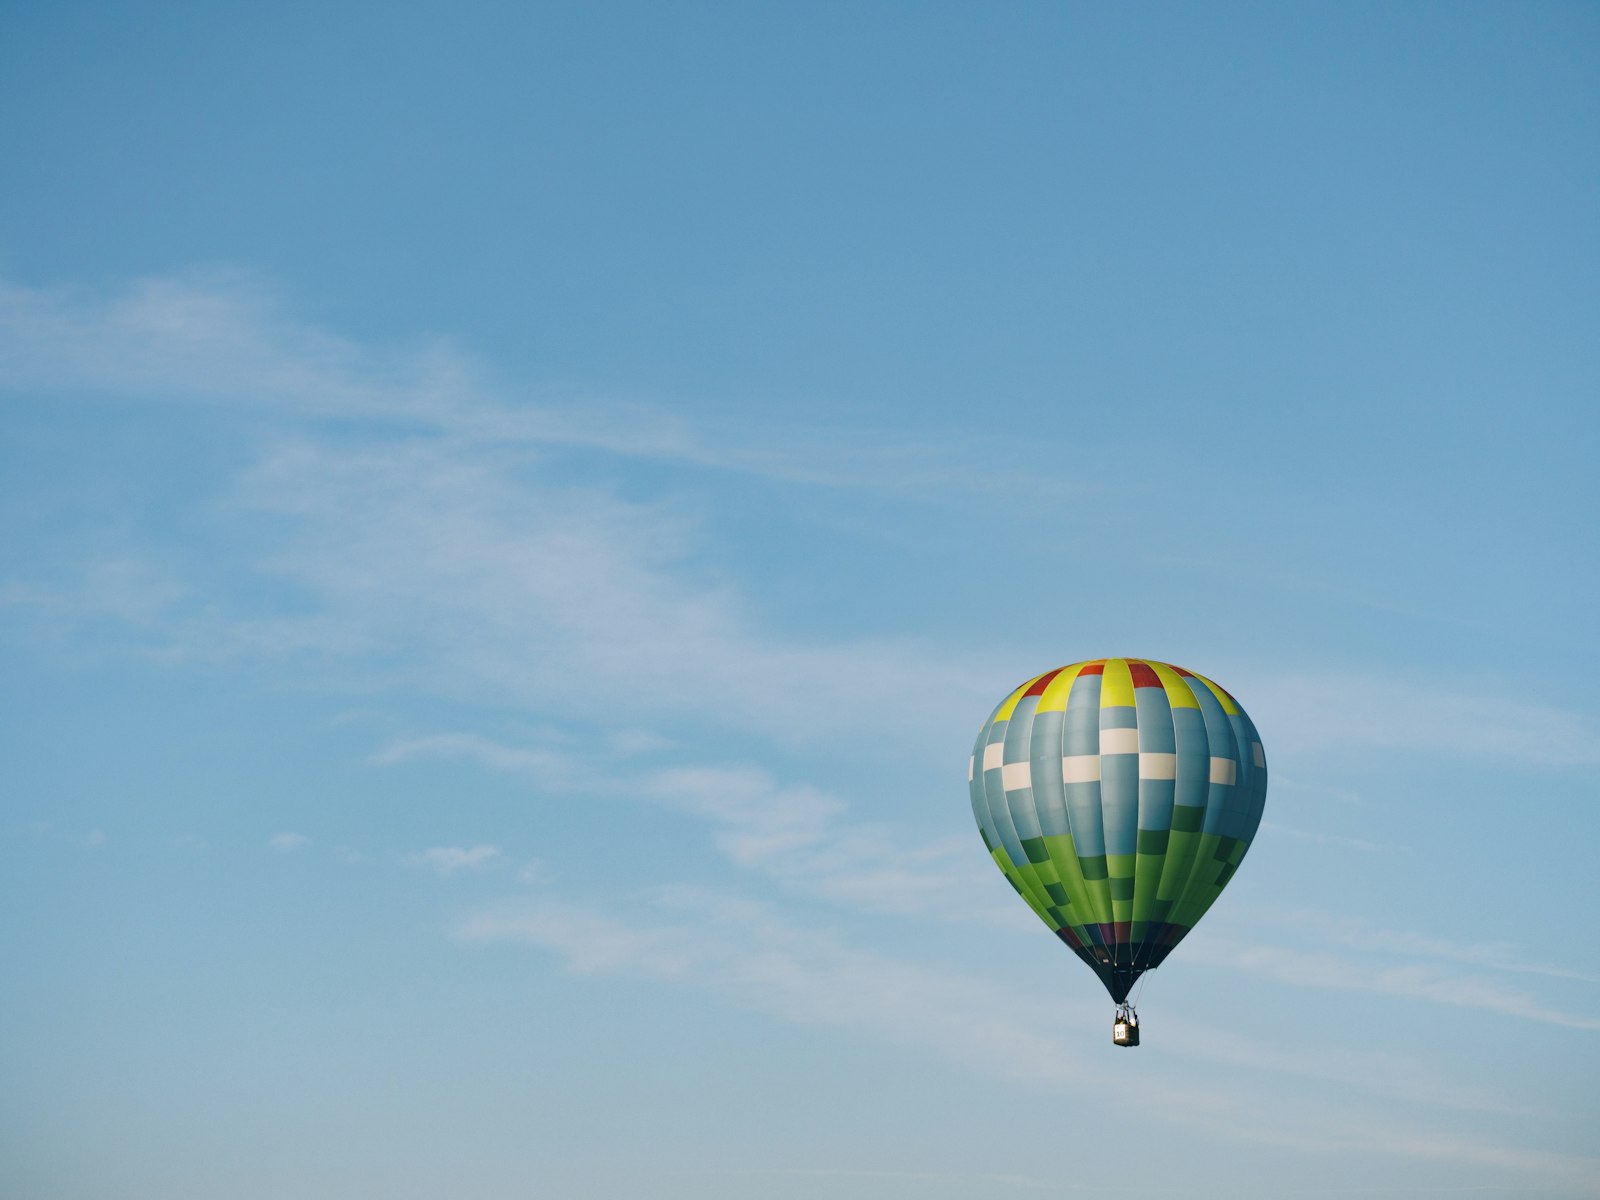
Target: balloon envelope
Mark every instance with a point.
(1118, 797)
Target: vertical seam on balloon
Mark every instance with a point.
(1090, 894)
(1071, 873)
(1182, 867)
(1139, 951)
(1197, 864)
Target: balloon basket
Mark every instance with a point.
(1125, 1027)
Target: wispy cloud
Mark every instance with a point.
(1388, 1073)
(534, 872)
(45, 831)
(796, 835)
(749, 950)
(448, 860)
(1318, 791)
(793, 833)
(587, 939)
(750, 955)
(447, 534)
(460, 574)
(1307, 948)
(1324, 839)
(123, 589)
(978, 1181)
(567, 597)
(287, 842)
(552, 765)
(758, 820)
(220, 337)
(1362, 935)
(211, 337)
(1471, 718)
(1416, 981)
(445, 546)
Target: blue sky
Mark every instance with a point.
(514, 517)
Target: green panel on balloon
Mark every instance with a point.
(1177, 799)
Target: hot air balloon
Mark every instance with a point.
(1118, 797)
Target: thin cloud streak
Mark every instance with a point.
(219, 337)
(1415, 981)
(1364, 936)
(1474, 719)
(449, 860)
(550, 765)
(1323, 839)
